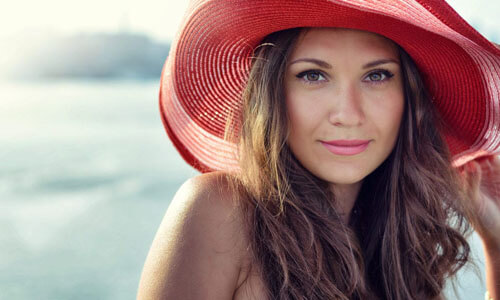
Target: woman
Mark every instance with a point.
(338, 162)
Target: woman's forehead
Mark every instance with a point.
(335, 39)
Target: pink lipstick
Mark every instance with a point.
(346, 147)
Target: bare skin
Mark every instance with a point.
(482, 176)
(200, 250)
(346, 196)
(343, 84)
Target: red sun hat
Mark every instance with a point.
(210, 59)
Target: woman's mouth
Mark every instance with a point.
(346, 147)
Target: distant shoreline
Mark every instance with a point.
(85, 55)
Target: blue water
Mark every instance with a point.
(86, 174)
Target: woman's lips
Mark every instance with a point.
(340, 147)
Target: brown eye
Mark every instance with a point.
(312, 76)
(375, 76)
(379, 76)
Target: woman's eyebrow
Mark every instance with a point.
(380, 62)
(326, 65)
(318, 62)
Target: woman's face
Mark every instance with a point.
(343, 84)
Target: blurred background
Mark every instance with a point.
(86, 169)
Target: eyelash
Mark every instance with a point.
(388, 75)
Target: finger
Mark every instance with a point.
(491, 167)
(476, 171)
(472, 178)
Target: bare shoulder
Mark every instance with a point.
(200, 245)
(212, 189)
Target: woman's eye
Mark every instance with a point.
(311, 76)
(314, 76)
(379, 76)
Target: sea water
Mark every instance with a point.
(86, 175)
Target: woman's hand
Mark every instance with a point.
(482, 178)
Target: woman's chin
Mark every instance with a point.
(345, 178)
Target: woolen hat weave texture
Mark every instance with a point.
(210, 59)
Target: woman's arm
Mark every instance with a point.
(492, 261)
(483, 187)
(196, 252)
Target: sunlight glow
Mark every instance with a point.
(160, 19)
(157, 18)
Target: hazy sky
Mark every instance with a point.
(160, 19)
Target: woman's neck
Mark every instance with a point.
(346, 195)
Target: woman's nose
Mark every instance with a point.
(346, 107)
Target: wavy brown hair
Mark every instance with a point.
(408, 231)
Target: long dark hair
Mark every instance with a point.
(408, 233)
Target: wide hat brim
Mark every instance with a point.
(209, 62)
